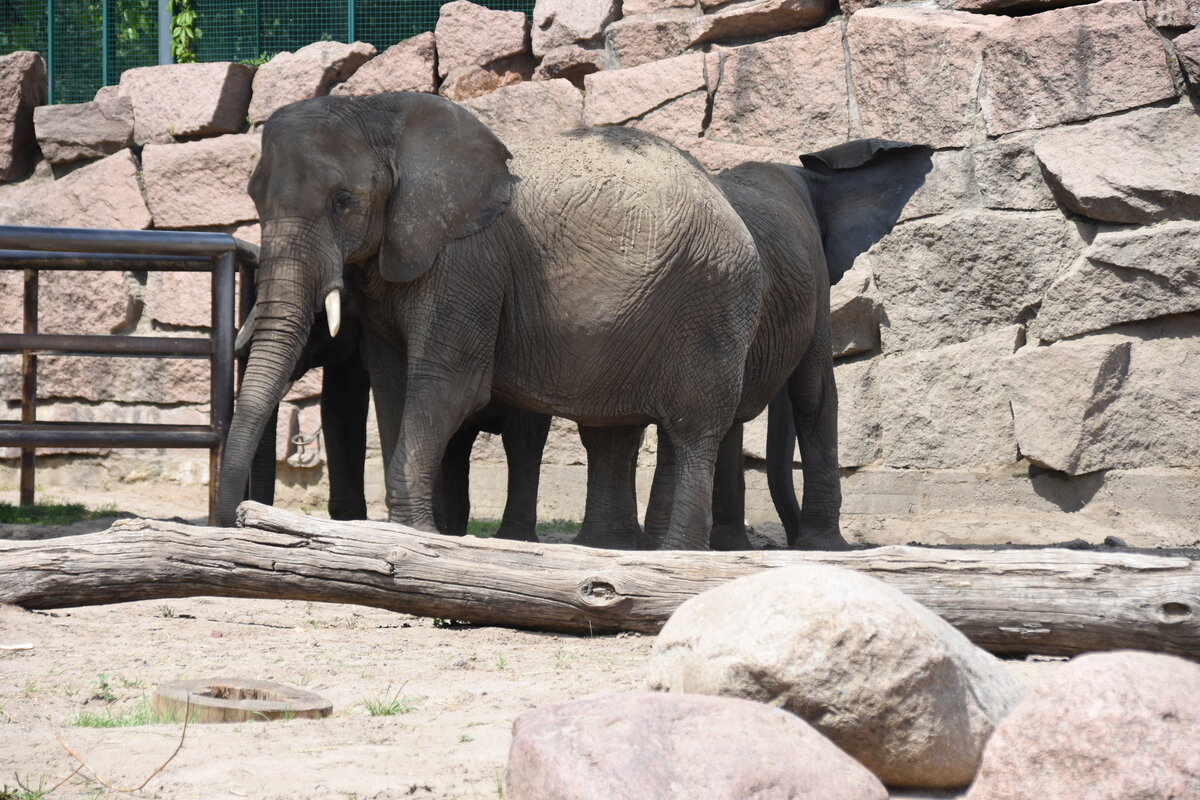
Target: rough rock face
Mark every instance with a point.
(187, 99)
(1138, 167)
(469, 82)
(557, 23)
(947, 408)
(617, 96)
(1188, 48)
(1061, 742)
(680, 121)
(1081, 406)
(650, 37)
(22, 88)
(84, 130)
(949, 278)
(68, 302)
(860, 426)
(854, 312)
(1071, 64)
(884, 678)
(410, 66)
(1008, 174)
(914, 72)
(572, 62)
(309, 72)
(1126, 275)
(179, 298)
(1174, 13)
(125, 380)
(530, 109)
(638, 745)
(788, 92)
(105, 194)
(761, 17)
(194, 184)
(471, 35)
(948, 187)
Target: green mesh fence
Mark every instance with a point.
(89, 43)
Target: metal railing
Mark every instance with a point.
(36, 249)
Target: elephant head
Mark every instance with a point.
(344, 180)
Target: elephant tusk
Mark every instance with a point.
(247, 330)
(333, 311)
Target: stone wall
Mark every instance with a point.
(1026, 337)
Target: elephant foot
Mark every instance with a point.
(522, 532)
(821, 539)
(608, 539)
(729, 537)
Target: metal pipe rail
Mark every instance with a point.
(33, 249)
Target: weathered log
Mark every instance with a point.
(1045, 601)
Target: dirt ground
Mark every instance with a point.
(456, 692)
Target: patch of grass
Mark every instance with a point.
(166, 611)
(389, 704)
(103, 689)
(140, 714)
(50, 513)
(22, 792)
(500, 662)
(463, 738)
(486, 528)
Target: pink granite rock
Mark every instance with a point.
(788, 92)
(557, 23)
(68, 302)
(182, 299)
(193, 184)
(630, 8)
(915, 70)
(471, 35)
(651, 37)
(1106, 726)
(532, 108)
(309, 72)
(617, 96)
(1174, 13)
(573, 63)
(761, 17)
(1188, 48)
(716, 155)
(1072, 64)
(84, 130)
(680, 121)
(466, 83)
(410, 66)
(126, 380)
(187, 99)
(105, 194)
(641, 745)
(22, 88)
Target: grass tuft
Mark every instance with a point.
(389, 704)
(48, 513)
(486, 528)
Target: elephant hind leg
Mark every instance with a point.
(524, 436)
(729, 495)
(691, 505)
(610, 516)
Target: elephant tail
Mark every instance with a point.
(781, 444)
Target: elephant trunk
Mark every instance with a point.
(288, 290)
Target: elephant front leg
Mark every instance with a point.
(662, 493)
(524, 436)
(691, 507)
(813, 394)
(452, 489)
(610, 515)
(345, 400)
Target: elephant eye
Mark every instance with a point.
(342, 200)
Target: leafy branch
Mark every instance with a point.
(184, 32)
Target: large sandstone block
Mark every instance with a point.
(950, 278)
(880, 675)
(469, 82)
(572, 62)
(860, 427)
(84, 130)
(105, 194)
(531, 108)
(680, 121)
(557, 23)
(193, 184)
(1174, 13)
(124, 380)
(1059, 743)
(1008, 175)
(1126, 275)
(1084, 405)
(182, 299)
(854, 312)
(914, 72)
(471, 35)
(107, 412)
(1072, 64)
(22, 88)
(761, 17)
(1139, 167)
(410, 66)
(949, 186)
(68, 302)
(616, 96)
(640, 745)
(187, 99)
(787, 92)
(947, 408)
(309, 72)
(1188, 48)
(650, 37)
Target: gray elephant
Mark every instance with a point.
(601, 276)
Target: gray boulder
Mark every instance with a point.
(469, 35)
(881, 676)
(410, 66)
(187, 99)
(84, 130)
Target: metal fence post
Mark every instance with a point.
(29, 385)
(50, 52)
(164, 33)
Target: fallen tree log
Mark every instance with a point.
(1055, 602)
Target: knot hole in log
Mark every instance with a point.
(1174, 612)
(598, 593)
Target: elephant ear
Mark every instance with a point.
(859, 189)
(451, 180)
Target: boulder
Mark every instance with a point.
(1004, 6)
(680, 121)
(187, 99)
(860, 429)
(716, 155)
(84, 130)
(307, 447)
(410, 66)
(650, 37)
(949, 186)
(915, 72)
(1008, 175)
(638, 745)
(182, 299)
(22, 88)
(193, 184)
(471, 35)
(1174, 13)
(105, 194)
(1126, 275)
(761, 17)
(1105, 726)
(530, 108)
(467, 83)
(68, 302)
(616, 96)
(559, 23)
(630, 8)
(572, 62)
(884, 678)
(947, 408)
(1187, 47)
(106, 412)
(854, 312)
(1140, 167)
(161, 381)
(788, 92)
(949, 278)
(311, 71)
(1071, 64)
(1083, 405)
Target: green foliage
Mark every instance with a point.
(486, 528)
(184, 32)
(103, 689)
(49, 513)
(20, 792)
(256, 61)
(389, 704)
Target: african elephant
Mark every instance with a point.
(601, 276)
